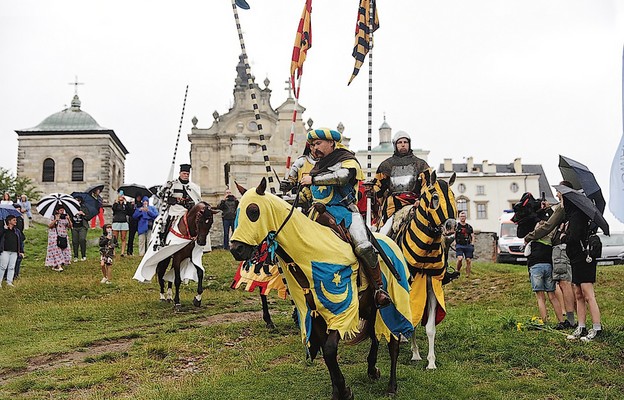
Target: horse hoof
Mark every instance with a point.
(376, 374)
(177, 307)
(163, 300)
(169, 301)
(392, 391)
(271, 326)
(197, 303)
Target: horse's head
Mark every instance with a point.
(437, 203)
(255, 218)
(200, 218)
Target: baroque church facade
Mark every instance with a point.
(230, 149)
(69, 151)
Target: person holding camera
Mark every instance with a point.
(107, 242)
(121, 211)
(58, 254)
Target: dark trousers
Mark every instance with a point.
(131, 234)
(228, 224)
(79, 239)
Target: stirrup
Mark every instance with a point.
(385, 303)
(450, 276)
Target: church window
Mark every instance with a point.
(77, 170)
(48, 170)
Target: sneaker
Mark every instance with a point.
(108, 282)
(578, 333)
(560, 326)
(104, 280)
(75, 260)
(10, 284)
(591, 335)
(84, 259)
(568, 325)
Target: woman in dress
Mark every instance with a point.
(6, 199)
(56, 257)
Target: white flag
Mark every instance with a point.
(616, 197)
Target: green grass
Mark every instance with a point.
(66, 336)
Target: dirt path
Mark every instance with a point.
(79, 357)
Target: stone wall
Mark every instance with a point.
(485, 248)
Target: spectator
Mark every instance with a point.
(132, 224)
(26, 210)
(540, 266)
(583, 272)
(56, 256)
(121, 211)
(562, 270)
(19, 225)
(6, 199)
(464, 243)
(228, 205)
(100, 215)
(80, 227)
(11, 246)
(144, 216)
(107, 242)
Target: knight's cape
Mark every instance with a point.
(147, 268)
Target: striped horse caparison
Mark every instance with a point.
(419, 235)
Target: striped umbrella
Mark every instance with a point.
(48, 204)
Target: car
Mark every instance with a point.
(612, 248)
(510, 248)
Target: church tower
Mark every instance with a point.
(69, 151)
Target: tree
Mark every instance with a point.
(17, 186)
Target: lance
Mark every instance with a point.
(252, 87)
(165, 190)
(294, 120)
(371, 22)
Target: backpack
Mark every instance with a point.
(594, 248)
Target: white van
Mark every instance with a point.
(510, 248)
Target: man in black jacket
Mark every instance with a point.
(228, 205)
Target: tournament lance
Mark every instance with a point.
(252, 87)
(165, 191)
(371, 22)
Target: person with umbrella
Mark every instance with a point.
(11, 246)
(583, 267)
(58, 253)
(80, 226)
(95, 192)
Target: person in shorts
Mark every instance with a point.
(464, 243)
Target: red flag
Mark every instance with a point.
(303, 41)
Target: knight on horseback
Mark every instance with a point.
(333, 182)
(178, 196)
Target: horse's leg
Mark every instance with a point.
(200, 287)
(160, 271)
(415, 354)
(393, 349)
(177, 281)
(266, 316)
(373, 371)
(430, 327)
(169, 292)
(340, 391)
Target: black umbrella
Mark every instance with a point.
(582, 178)
(133, 190)
(90, 202)
(584, 204)
(93, 188)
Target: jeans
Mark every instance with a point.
(228, 224)
(7, 263)
(79, 239)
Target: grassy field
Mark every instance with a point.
(66, 336)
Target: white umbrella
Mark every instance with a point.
(48, 203)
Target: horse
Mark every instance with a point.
(322, 280)
(419, 232)
(185, 239)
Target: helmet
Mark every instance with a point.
(401, 135)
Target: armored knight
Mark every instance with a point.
(300, 168)
(333, 182)
(396, 182)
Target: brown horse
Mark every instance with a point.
(195, 226)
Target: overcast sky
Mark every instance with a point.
(490, 79)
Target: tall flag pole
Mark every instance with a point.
(303, 42)
(252, 86)
(616, 197)
(367, 23)
(175, 150)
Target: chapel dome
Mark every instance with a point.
(70, 119)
